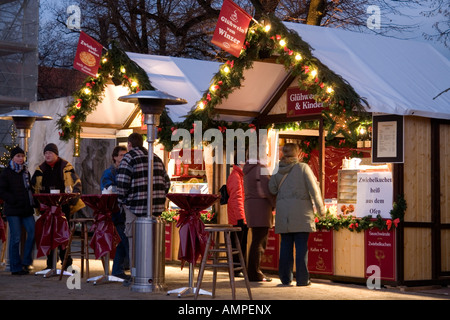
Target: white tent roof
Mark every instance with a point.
(180, 77)
(395, 76)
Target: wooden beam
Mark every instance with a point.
(282, 118)
(286, 83)
(102, 125)
(240, 113)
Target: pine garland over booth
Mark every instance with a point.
(345, 109)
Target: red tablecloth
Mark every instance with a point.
(193, 236)
(2, 227)
(52, 229)
(105, 238)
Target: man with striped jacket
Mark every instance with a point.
(132, 176)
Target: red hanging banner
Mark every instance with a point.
(231, 28)
(89, 53)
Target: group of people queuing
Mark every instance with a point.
(127, 173)
(291, 191)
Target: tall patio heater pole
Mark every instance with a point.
(146, 242)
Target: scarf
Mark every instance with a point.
(16, 167)
(26, 178)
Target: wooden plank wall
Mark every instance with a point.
(349, 253)
(417, 188)
(444, 139)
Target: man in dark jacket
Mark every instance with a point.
(16, 192)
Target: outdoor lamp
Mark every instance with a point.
(24, 121)
(148, 239)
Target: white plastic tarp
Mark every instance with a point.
(395, 76)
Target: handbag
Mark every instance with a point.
(223, 194)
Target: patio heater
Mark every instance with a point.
(24, 121)
(148, 239)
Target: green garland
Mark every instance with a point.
(345, 107)
(345, 110)
(330, 222)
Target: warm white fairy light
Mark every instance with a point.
(201, 105)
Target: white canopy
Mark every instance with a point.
(180, 77)
(395, 76)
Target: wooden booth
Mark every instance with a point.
(405, 161)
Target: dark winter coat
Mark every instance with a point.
(259, 202)
(14, 194)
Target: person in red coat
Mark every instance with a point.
(235, 209)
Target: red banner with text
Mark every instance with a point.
(380, 251)
(231, 28)
(320, 252)
(88, 55)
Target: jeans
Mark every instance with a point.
(15, 226)
(122, 254)
(285, 270)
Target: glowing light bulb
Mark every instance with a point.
(201, 105)
(282, 43)
(330, 90)
(134, 84)
(212, 88)
(226, 69)
(267, 28)
(298, 57)
(68, 120)
(314, 73)
(122, 69)
(87, 91)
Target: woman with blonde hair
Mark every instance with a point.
(296, 188)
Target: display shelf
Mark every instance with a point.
(347, 190)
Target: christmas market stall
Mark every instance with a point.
(372, 117)
(89, 124)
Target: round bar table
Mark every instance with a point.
(105, 237)
(52, 229)
(193, 236)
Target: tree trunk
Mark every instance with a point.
(316, 12)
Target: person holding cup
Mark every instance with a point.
(57, 175)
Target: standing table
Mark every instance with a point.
(52, 229)
(105, 237)
(193, 236)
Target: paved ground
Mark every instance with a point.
(35, 287)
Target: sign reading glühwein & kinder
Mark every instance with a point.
(301, 102)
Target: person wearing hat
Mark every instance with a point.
(17, 194)
(56, 172)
